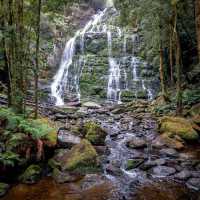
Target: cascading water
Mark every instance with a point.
(124, 68)
(113, 91)
(60, 82)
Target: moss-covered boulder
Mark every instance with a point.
(94, 133)
(31, 175)
(178, 126)
(80, 156)
(3, 189)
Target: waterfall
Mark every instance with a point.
(60, 80)
(134, 64)
(149, 92)
(113, 90)
(123, 64)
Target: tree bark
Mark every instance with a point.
(37, 58)
(178, 67)
(171, 57)
(197, 18)
(162, 73)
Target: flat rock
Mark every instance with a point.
(169, 152)
(163, 171)
(136, 143)
(67, 139)
(92, 105)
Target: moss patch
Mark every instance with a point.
(178, 126)
(94, 133)
(31, 175)
(81, 155)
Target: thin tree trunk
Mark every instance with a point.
(162, 73)
(197, 18)
(178, 67)
(37, 58)
(171, 58)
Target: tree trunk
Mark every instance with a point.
(171, 57)
(37, 58)
(162, 74)
(178, 67)
(197, 16)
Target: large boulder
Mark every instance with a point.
(81, 155)
(94, 133)
(71, 165)
(31, 175)
(178, 126)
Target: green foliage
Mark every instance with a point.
(190, 97)
(13, 120)
(9, 158)
(35, 128)
(31, 174)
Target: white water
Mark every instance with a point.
(60, 80)
(113, 90)
(68, 76)
(134, 64)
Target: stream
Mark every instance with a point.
(135, 165)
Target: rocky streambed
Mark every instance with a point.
(134, 161)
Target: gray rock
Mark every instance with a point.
(91, 105)
(169, 152)
(194, 183)
(67, 139)
(183, 175)
(137, 143)
(163, 171)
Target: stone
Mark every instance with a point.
(136, 143)
(81, 155)
(194, 183)
(67, 139)
(91, 105)
(31, 175)
(178, 126)
(3, 189)
(113, 170)
(163, 171)
(165, 140)
(169, 152)
(183, 175)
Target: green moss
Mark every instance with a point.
(131, 164)
(3, 189)
(178, 126)
(31, 175)
(81, 155)
(94, 133)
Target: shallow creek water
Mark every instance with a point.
(153, 178)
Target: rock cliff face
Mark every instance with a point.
(105, 64)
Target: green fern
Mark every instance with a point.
(9, 158)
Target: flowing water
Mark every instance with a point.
(68, 78)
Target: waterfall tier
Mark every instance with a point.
(101, 62)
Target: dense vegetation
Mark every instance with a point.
(33, 31)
